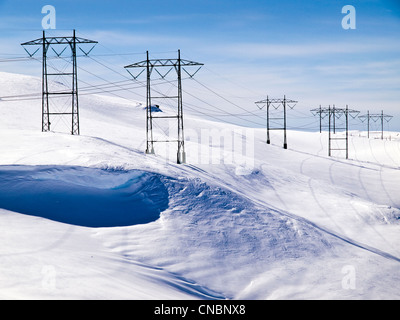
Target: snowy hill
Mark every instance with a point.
(93, 217)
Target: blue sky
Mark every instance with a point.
(250, 48)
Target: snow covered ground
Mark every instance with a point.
(93, 217)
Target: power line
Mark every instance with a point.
(214, 108)
(224, 111)
(225, 99)
(213, 111)
(120, 85)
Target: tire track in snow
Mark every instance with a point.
(361, 167)
(357, 213)
(328, 231)
(334, 234)
(380, 175)
(311, 157)
(388, 154)
(325, 230)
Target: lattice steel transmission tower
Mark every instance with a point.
(276, 103)
(375, 117)
(333, 113)
(322, 114)
(47, 43)
(151, 65)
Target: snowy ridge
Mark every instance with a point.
(93, 217)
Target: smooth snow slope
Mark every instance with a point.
(260, 222)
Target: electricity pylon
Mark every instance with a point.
(375, 117)
(333, 113)
(151, 65)
(276, 103)
(47, 43)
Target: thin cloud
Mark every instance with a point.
(264, 50)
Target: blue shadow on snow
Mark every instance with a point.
(81, 196)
